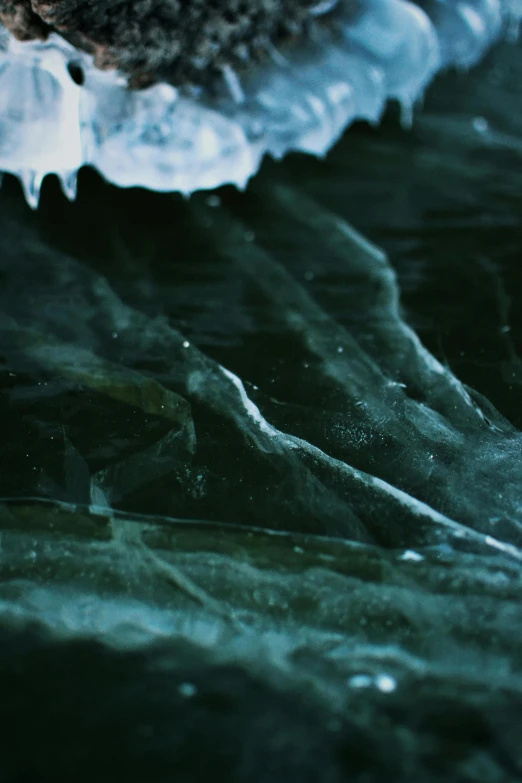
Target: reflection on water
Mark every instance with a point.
(235, 423)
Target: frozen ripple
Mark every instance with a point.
(300, 100)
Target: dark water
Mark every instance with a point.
(276, 436)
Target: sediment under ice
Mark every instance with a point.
(303, 99)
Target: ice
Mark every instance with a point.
(302, 98)
(156, 139)
(69, 183)
(243, 445)
(399, 37)
(39, 115)
(466, 28)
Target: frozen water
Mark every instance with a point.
(332, 511)
(301, 100)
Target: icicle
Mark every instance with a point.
(233, 84)
(322, 7)
(31, 182)
(406, 114)
(69, 184)
(278, 58)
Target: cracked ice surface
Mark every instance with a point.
(142, 468)
(402, 453)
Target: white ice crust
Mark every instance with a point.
(301, 99)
